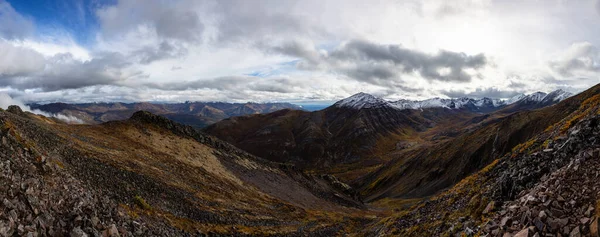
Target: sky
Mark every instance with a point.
(305, 51)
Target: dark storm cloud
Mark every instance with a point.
(480, 93)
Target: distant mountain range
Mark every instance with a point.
(202, 114)
(363, 100)
(196, 114)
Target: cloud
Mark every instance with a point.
(385, 64)
(289, 50)
(12, 24)
(164, 50)
(24, 68)
(17, 61)
(490, 92)
(169, 21)
(6, 100)
(236, 84)
(581, 57)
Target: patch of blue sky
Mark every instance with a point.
(76, 18)
(279, 69)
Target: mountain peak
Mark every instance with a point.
(362, 100)
(557, 95)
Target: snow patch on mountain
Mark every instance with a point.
(364, 100)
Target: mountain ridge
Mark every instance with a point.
(364, 100)
(197, 114)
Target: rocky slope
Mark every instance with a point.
(547, 186)
(196, 114)
(149, 176)
(425, 170)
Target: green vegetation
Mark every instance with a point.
(141, 203)
(587, 108)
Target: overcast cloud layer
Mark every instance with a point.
(297, 51)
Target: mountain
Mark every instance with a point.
(545, 186)
(363, 100)
(149, 176)
(539, 99)
(536, 100)
(196, 114)
(358, 134)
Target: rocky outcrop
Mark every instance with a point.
(15, 110)
(553, 191)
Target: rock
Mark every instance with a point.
(505, 221)
(490, 207)
(524, 233)
(96, 222)
(14, 109)
(589, 211)
(584, 220)
(594, 228)
(575, 232)
(538, 223)
(113, 231)
(77, 232)
(542, 215)
(554, 224)
(572, 202)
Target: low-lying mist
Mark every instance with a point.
(6, 100)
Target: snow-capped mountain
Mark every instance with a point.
(556, 95)
(458, 103)
(364, 100)
(534, 97)
(515, 98)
